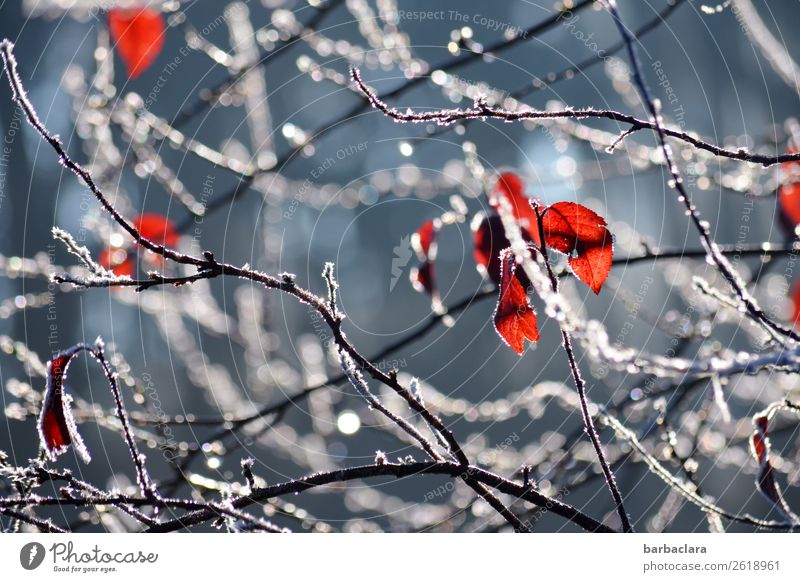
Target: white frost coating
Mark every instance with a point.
(98, 274)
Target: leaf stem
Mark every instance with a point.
(580, 385)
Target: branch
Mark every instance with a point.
(399, 471)
(580, 386)
(770, 250)
(481, 110)
(702, 227)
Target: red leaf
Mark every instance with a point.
(424, 240)
(422, 278)
(789, 192)
(488, 238)
(759, 440)
(510, 185)
(789, 200)
(795, 294)
(157, 228)
(765, 479)
(116, 261)
(514, 318)
(424, 243)
(138, 35)
(575, 230)
(57, 428)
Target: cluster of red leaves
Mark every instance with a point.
(138, 35)
(152, 226)
(568, 227)
(57, 428)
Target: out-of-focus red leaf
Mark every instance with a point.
(765, 479)
(795, 294)
(489, 239)
(789, 193)
(157, 228)
(422, 278)
(138, 35)
(117, 261)
(514, 318)
(57, 428)
(511, 186)
(789, 200)
(575, 230)
(424, 240)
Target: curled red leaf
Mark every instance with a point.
(581, 233)
(57, 428)
(138, 35)
(514, 318)
(765, 479)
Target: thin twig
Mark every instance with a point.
(580, 385)
(481, 110)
